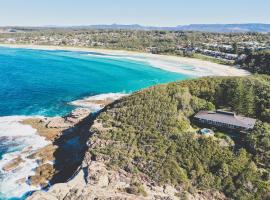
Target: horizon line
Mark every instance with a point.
(132, 24)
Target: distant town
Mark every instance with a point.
(224, 48)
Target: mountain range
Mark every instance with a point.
(226, 28)
(218, 28)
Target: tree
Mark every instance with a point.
(235, 48)
(249, 101)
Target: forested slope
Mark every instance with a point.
(149, 134)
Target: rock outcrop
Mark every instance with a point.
(95, 180)
(68, 121)
(68, 137)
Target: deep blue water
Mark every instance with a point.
(39, 82)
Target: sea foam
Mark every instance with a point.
(21, 141)
(96, 103)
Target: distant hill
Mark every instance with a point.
(224, 28)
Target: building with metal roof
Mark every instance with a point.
(224, 119)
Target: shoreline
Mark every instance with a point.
(21, 140)
(169, 63)
(52, 135)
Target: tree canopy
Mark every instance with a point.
(149, 132)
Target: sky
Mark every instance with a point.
(144, 12)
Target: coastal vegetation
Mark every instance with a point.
(161, 42)
(257, 62)
(149, 133)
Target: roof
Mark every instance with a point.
(227, 118)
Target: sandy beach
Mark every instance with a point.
(182, 65)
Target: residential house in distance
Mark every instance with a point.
(226, 120)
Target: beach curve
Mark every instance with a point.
(176, 64)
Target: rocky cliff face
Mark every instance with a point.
(60, 158)
(95, 180)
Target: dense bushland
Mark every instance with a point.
(150, 132)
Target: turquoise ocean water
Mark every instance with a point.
(38, 82)
(43, 82)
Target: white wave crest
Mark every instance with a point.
(21, 141)
(97, 102)
(10, 127)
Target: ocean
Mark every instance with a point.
(43, 83)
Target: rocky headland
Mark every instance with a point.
(69, 171)
(142, 147)
(95, 180)
(65, 139)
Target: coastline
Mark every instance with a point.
(21, 141)
(42, 159)
(44, 141)
(165, 62)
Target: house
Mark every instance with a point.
(224, 119)
(153, 50)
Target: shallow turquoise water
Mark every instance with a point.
(38, 82)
